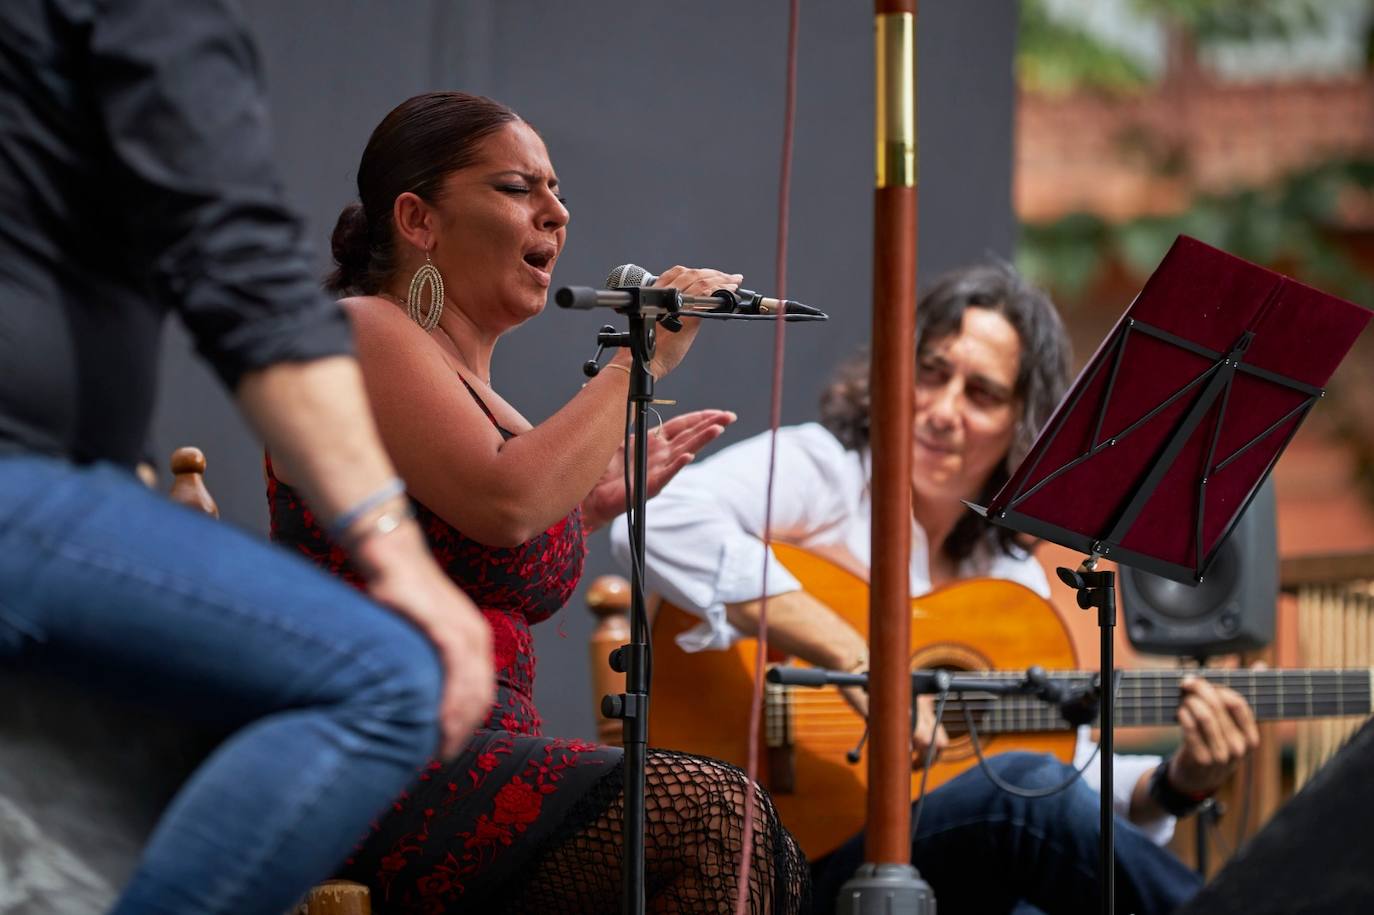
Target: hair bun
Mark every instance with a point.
(351, 248)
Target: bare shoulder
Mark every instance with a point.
(374, 313)
(387, 340)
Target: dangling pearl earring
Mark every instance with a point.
(427, 275)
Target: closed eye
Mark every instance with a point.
(519, 189)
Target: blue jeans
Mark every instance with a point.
(334, 699)
(985, 851)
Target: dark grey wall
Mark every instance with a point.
(664, 121)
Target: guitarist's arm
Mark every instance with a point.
(802, 626)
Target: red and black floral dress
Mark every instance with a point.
(522, 823)
(465, 828)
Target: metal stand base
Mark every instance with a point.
(886, 889)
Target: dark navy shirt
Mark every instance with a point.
(136, 178)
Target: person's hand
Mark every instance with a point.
(927, 732)
(672, 447)
(1218, 732)
(671, 347)
(403, 576)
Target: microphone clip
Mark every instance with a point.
(606, 338)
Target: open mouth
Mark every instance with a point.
(540, 260)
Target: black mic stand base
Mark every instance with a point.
(886, 889)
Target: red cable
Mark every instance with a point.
(775, 420)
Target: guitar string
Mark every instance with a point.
(1150, 697)
(998, 715)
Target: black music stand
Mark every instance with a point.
(1169, 431)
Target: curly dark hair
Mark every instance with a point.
(1041, 378)
(415, 147)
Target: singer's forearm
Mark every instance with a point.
(539, 476)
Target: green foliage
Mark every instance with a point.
(1284, 224)
(1215, 21)
(1054, 57)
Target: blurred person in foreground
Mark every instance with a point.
(136, 180)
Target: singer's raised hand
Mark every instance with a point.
(672, 446)
(671, 347)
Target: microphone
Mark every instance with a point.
(740, 302)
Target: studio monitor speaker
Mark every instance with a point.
(1231, 610)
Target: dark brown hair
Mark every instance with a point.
(415, 147)
(1041, 377)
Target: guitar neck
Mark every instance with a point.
(1151, 697)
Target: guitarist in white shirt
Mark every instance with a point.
(992, 362)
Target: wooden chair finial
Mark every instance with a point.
(336, 897)
(609, 595)
(188, 459)
(188, 481)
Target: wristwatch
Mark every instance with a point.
(1169, 798)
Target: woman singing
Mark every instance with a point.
(452, 245)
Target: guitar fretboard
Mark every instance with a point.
(1152, 698)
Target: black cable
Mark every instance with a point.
(1213, 824)
(633, 522)
(930, 761)
(1247, 793)
(1013, 789)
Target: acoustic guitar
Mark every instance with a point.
(701, 701)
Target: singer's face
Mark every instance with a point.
(502, 226)
(966, 406)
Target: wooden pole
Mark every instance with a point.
(892, 384)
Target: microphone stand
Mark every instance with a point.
(644, 307)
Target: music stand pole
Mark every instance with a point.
(1098, 589)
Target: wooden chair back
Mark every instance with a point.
(608, 598)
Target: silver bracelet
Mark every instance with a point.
(385, 493)
(378, 526)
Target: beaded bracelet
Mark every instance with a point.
(386, 492)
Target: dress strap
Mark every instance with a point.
(505, 433)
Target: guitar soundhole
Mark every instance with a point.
(964, 659)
